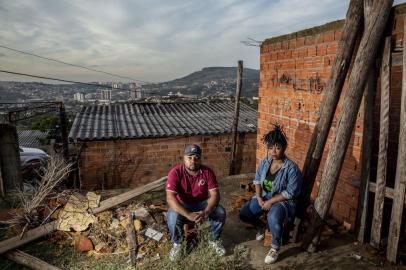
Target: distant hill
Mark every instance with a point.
(209, 81)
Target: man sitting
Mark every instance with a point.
(192, 195)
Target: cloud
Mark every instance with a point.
(152, 40)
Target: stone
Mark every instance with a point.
(83, 244)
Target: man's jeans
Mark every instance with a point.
(280, 211)
(175, 221)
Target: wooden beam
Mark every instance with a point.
(400, 178)
(369, 98)
(376, 228)
(234, 129)
(388, 190)
(329, 103)
(43, 230)
(29, 261)
(131, 240)
(119, 199)
(364, 58)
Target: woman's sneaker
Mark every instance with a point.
(174, 253)
(260, 235)
(272, 256)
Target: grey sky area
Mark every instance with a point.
(154, 40)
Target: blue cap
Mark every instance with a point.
(193, 149)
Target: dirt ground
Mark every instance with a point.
(339, 251)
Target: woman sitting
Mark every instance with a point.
(277, 185)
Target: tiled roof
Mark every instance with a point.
(30, 138)
(146, 120)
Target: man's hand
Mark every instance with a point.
(192, 216)
(267, 205)
(196, 216)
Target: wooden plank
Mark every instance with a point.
(388, 190)
(369, 98)
(29, 261)
(43, 230)
(335, 83)
(114, 201)
(365, 57)
(376, 227)
(362, 211)
(400, 178)
(131, 240)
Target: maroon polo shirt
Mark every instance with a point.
(191, 189)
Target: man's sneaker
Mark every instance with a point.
(174, 253)
(260, 235)
(272, 256)
(218, 248)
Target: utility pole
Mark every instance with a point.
(64, 131)
(236, 114)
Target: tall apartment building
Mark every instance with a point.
(80, 97)
(135, 91)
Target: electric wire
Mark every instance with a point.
(73, 65)
(61, 80)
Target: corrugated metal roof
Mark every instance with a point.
(146, 120)
(30, 138)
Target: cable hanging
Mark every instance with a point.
(73, 65)
(62, 80)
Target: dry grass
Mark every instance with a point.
(31, 203)
(201, 256)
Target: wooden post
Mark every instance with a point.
(131, 240)
(235, 121)
(64, 131)
(383, 145)
(335, 83)
(400, 179)
(29, 261)
(10, 158)
(365, 57)
(2, 193)
(369, 98)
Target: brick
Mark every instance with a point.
(138, 159)
(328, 37)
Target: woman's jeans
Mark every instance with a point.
(251, 211)
(175, 221)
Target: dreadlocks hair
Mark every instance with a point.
(275, 136)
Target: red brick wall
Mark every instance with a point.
(130, 163)
(294, 70)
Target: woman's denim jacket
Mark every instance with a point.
(288, 181)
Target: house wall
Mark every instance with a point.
(131, 163)
(294, 72)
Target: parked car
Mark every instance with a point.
(32, 159)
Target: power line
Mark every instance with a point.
(73, 65)
(61, 80)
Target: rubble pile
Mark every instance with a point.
(105, 232)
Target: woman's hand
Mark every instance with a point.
(260, 201)
(267, 205)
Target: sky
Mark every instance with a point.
(151, 40)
